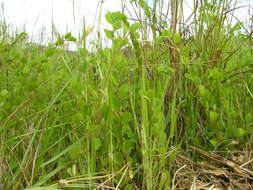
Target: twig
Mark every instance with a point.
(174, 178)
(235, 74)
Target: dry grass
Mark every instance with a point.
(215, 172)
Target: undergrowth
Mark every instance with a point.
(119, 116)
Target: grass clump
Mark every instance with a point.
(119, 117)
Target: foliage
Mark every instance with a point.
(85, 116)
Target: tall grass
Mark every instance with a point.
(119, 117)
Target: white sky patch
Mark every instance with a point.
(36, 16)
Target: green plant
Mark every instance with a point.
(110, 118)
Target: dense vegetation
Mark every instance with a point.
(119, 117)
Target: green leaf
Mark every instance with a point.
(118, 158)
(134, 27)
(136, 35)
(76, 151)
(131, 173)
(129, 187)
(77, 117)
(49, 52)
(165, 69)
(214, 116)
(96, 143)
(248, 117)
(126, 117)
(109, 34)
(176, 38)
(145, 7)
(116, 19)
(60, 154)
(127, 146)
(117, 131)
(166, 34)
(126, 130)
(239, 132)
(69, 37)
(59, 42)
(26, 69)
(165, 175)
(214, 141)
(118, 43)
(4, 92)
(203, 91)
(215, 74)
(124, 91)
(237, 27)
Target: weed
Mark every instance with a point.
(118, 119)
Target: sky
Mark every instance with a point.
(67, 15)
(36, 16)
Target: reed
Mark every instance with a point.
(116, 119)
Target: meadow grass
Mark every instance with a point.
(119, 117)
